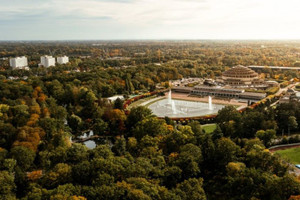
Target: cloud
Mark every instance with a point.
(143, 19)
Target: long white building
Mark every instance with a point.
(47, 61)
(62, 60)
(18, 62)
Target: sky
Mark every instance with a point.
(149, 19)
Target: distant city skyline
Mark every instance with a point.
(149, 19)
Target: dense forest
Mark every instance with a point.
(138, 156)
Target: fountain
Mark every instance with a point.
(210, 107)
(170, 97)
(172, 103)
(182, 108)
(174, 111)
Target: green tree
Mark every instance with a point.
(81, 173)
(266, 136)
(118, 104)
(75, 123)
(7, 186)
(217, 133)
(171, 176)
(292, 123)
(226, 151)
(78, 152)
(23, 156)
(191, 189)
(150, 126)
(137, 114)
(229, 120)
(252, 122)
(21, 115)
(99, 127)
(60, 174)
(178, 138)
(119, 147)
(189, 160)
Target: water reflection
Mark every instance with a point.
(90, 144)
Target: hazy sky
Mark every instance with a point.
(149, 19)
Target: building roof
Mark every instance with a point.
(113, 98)
(254, 94)
(240, 71)
(202, 87)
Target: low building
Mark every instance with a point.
(182, 89)
(253, 95)
(294, 96)
(114, 98)
(209, 82)
(18, 62)
(272, 83)
(216, 91)
(47, 61)
(222, 92)
(63, 60)
(285, 99)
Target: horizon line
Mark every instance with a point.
(203, 39)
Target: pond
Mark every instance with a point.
(91, 144)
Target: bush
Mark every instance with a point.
(272, 90)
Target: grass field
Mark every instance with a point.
(209, 128)
(293, 154)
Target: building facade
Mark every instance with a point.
(62, 60)
(47, 61)
(18, 62)
(216, 91)
(232, 93)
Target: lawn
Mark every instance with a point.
(209, 128)
(293, 154)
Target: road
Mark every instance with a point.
(280, 91)
(274, 67)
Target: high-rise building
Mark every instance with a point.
(62, 60)
(47, 61)
(18, 62)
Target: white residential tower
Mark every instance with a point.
(47, 61)
(62, 60)
(18, 62)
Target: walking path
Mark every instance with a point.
(150, 101)
(283, 146)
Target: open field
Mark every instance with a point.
(209, 128)
(292, 154)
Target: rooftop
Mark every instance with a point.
(240, 71)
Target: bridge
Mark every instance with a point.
(274, 67)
